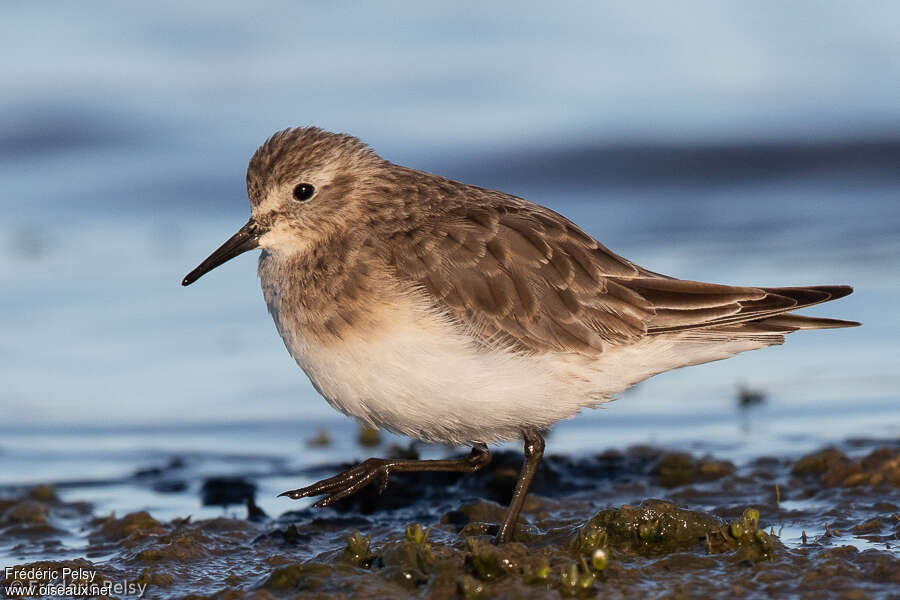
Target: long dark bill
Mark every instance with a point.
(247, 238)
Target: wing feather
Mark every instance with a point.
(522, 276)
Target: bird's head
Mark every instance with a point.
(305, 185)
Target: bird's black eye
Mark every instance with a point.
(303, 191)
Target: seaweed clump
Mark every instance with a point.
(564, 546)
(833, 468)
(658, 527)
(678, 468)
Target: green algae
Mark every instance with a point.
(357, 551)
(655, 527)
(818, 462)
(368, 437)
(43, 493)
(408, 562)
(472, 589)
(38, 514)
(309, 576)
(183, 548)
(564, 547)
(536, 571)
(881, 467)
(679, 468)
(320, 440)
(599, 559)
(743, 537)
(415, 533)
(27, 511)
(577, 579)
(138, 524)
(483, 559)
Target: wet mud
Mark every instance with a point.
(633, 524)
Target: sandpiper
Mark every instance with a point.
(451, 313)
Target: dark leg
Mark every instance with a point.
(534, 450)
(356, 478)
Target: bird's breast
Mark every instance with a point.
(404, 366)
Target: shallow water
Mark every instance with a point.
(826, 525)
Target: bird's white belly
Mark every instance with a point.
(418, 375)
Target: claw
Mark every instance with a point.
(344, 484)
(384, 482)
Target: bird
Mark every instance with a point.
(461, 315)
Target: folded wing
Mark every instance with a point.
(521, 276)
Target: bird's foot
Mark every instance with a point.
(347, 483)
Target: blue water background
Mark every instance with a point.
(743, 143)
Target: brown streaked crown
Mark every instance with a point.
(302, 149)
